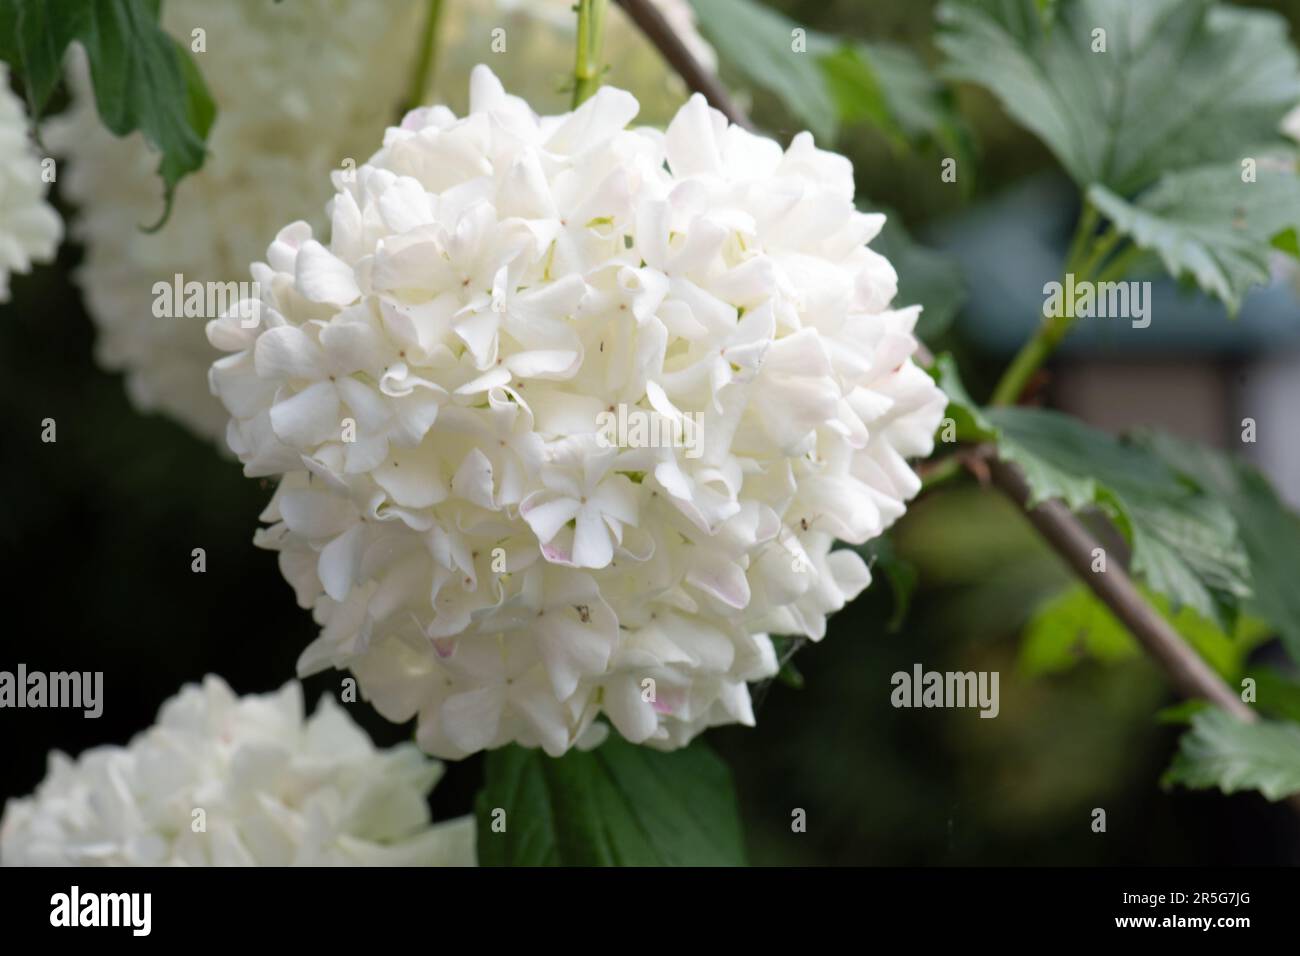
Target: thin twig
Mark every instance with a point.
(1186, 669)
(1075, 544)
(698, 77)
(426, 59)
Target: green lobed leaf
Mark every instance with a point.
(1181, 82)
(143, 79)
(829, 81)
(1221, 751)
(617, 805)
(1207, 223)
(1185, 542)
(758, 42)
(890, 88)
(1269, 530)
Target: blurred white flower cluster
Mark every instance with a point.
(227, 781)
(433, 382)
(30, 229)
(300, 87)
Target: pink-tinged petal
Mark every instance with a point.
(323, 277)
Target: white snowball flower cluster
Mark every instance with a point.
(300, 87)
(29, 228)
(273, 790)
(437, 387)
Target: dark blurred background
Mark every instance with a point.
(98, 530)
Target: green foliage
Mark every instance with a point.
(830, 82)
(756, 41)
(1153, 127)
(1068, 627)
(143, 79)
(883, 558)
(1269, 531)
(1221, 751)
(971, 425)
(1181, 82)
(619, 804)
(1075, 624)
(1185, 542)
(889, 88)
(1209, 224)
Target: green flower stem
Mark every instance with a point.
(587, 68)
(1083, 234)
(1030, 358)
(426, 58)
(1102, 248)
(1120, 265)
(1084, 260)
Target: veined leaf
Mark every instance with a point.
(1122, 91)
(1221, 751)
(890, 88)
(759, 43)
(1185, 542)
(825, 81)
(143, 79)
(1268, 529)
(1209, 224)
(617, 805)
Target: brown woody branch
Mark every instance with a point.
(697, 76)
